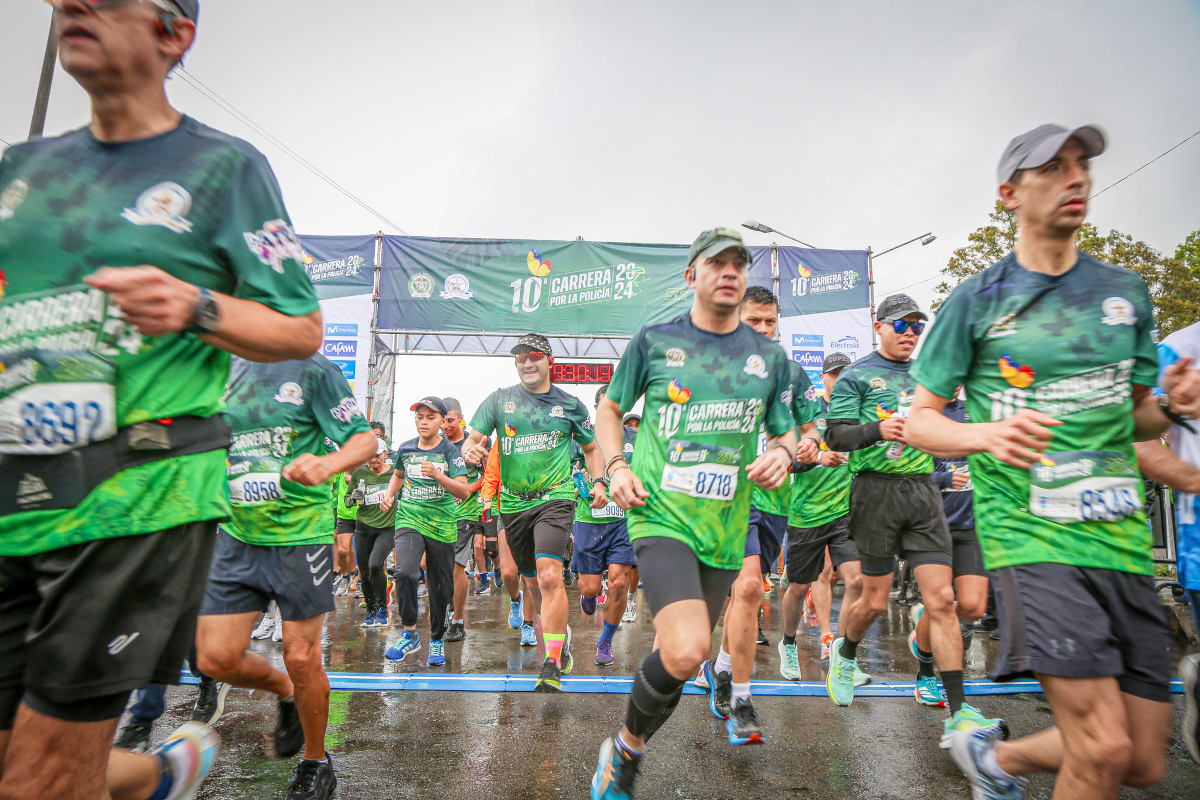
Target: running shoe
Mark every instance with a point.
(409, 642)
(363, 604)
(720, 693)
(484, 584)
(826, 640)
(840, 679)
(916, 612)
(456, 633)
(968, 718)
(615, 774)
(789, 661)
(1189, 671)
(742, 725)
(928, 693)
(630, 614)
(312, 780)
(970, 749)
(602, 598)
(211, 701)
(762, 640)
(289, 735)
(368, 620)
(810, 611)
(391, 592)
(437, 657)
(550, 680)
(277, 630)
(565, 655)
(515, 617)
(968, 635)
(587, 605)
(135, 736)
(767, 585)
(263, 631)
(422, 590)
(701, 680)
(358, 594)
(195, 746)
(528, 636)
(343, 586)
(861, 678)
(381, 617)
(604, 656)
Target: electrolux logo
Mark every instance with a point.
(339, 349)
(808, 358)
(808, 340)
(341, 329)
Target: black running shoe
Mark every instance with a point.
(289, 735)
(968, 635)
(551, 678)
(135, 736)
(762, 638)
(742, 725)
(988, 623)
(313, 780)
(211, 701)
(722, 694)
(456, 633)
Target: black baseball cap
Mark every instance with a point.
(432, 403)
(834, 361)
(1036, 147)
(187, 8)
(898, 306)
(532, 341)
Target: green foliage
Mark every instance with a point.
(1173, 283)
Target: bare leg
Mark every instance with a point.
(822, 592)
(793, 607)
(531, 602)
(854, 621)
(970, 596)
(937, 592)
(302, 656)
(344, 553)
(52, 758)
(508, 570)
(553, 595)
(221, 641)
(740, 634)
(618, 593)
(852, 579)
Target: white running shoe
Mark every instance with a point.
(263, 631)
(190, 752)
(630, 614)
(277, 630)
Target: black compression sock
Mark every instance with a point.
(849, 649)
(789, 640)
(952, 681)
(654, 696)
(925, 662)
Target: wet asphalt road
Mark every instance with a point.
(524, 746)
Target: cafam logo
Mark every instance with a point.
(456, 286)
(420, 285)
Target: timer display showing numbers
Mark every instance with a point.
(570, 372)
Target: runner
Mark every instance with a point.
(520, 610)
(430, 476)
(728, 677)
(374, 532)
(895, 507)
(469, 518)
(602, 543)
(278, 546)
(343, 540)
(538, 422)
(142, 185)
(1056, 353)
(953, 479)
(708, 381)
(818, 536)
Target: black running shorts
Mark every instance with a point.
(344, 526)
(246, 577)
(764, 538)
(94, 619)
(968, 555)
(806, 549)
(1078, 622)
(897, 515)
(543, 531)
(670, 572)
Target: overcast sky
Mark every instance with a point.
(843, 124)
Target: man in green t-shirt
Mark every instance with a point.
(430, 477)
(278, 546)
(468, 515)
(535, 424)
(136, 253)
(1056, 355)
(709, 381)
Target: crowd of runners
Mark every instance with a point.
(177, 460)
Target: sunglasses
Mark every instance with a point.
(532, 355)
(901, 325)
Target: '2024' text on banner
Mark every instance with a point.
(824, 300)
(341, 271)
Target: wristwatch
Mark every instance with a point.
(206, 314)
(1164, 403)
(603, 481)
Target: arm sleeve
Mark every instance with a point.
(255, 241)
(631, 376)
(949, 348)
(484, 420)
(845, 435)
(337, 412)
(1166, 357)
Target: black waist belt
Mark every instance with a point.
(63, 480)
(531, 495)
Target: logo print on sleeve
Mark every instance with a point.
(165, 204)
(677, 393)
(346, 410)
(1018, 375)
(274, 243)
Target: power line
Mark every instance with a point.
(1, 140)
(228, 107)
(918, 283)
(1143, 166)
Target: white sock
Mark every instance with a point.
(457, 621)
(724, 663)
(992, 768)
(740, 691)
(631, 594)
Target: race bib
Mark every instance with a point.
(375, 495)
(1084, 486)
(610, 511)
(254, 481)
(412, 471)
(707, 472)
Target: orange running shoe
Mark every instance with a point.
(767, 585)
(810, 611)
(826, 641)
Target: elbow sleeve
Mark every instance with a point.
(845, 435)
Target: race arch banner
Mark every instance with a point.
(824, 305)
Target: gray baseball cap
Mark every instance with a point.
(835, 361)
(898, 306)
(188, 8)
(1036, 147)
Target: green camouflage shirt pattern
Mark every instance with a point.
(583, 505)
(278, 411)
(423, 504)
(805, 407)
(822, 494)
(194, 202)
(872, 389)
(535, 431)
(706, 394)
(469, 509)
(1070, 346)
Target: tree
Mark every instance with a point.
(1173, 283)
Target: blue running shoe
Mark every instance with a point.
(381, 617)
(436, 658)
(969, 748)
(742, 725)
(515, 617)
(528, 636)
(928, 694)
(615, 774)
(409, 642)
(587, 605)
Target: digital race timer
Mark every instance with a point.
(569, 372)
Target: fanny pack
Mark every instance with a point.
(55, 482)
(531, 495)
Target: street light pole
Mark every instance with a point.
(924, 239)
(758, 226)
(38, 125)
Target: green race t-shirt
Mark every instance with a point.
(423, 504)
(822, 494)
(535, 431)
(873, 389)
(341, 485)
(470, 509)
(583, 505)
(374, 485)
(706, 394)
(804, 407)
(1070, 346)
(278, 411)
(194, 202)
